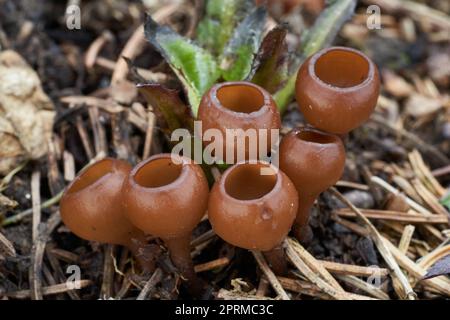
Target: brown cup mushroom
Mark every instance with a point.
(91, 208)
(254, 211)
(238, 105)
(314, 161)
(337, 89)
(166, 196)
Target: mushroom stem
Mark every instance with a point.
(136, 245)
(301, 228)
(180, 254)
(277, 260)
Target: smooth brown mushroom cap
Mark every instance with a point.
(166, 199)
(250, 210)
(312, 159)
(337, 89)
(91, 205)
(238, 105)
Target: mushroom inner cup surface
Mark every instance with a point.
(240, 98)
(91, 175)
(245, 182)
(158, 173)
(315, 137)
(341, 68)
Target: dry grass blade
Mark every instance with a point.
(441, 171)
(92, 102)
(312, 276)
(407, 188)
(270, 275)
(352, 185)
(434, 256)
(106, 290)
(84, 137)
(352, 270)
(151, 122)
(7, 179)
(150, 284)
(18, 217)
(211, 265)
(429, 198)
(389, 215)
(309, 289)
(386, 186)
(232, 295)
(136, 43)
(424, 174)
(100, 142)
(51, 290)
(37, 255)
(6, 247)
(378, 240)
(94, 49)
(36, 202)
(405, 240)
(315, 265)
(35, 268)
(440, 284)
(303, 287)
(365, 286)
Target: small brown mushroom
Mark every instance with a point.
(91, 208)
(337, 89)
(314, 161)
(166, 196)
(238, 105)
(254, 211)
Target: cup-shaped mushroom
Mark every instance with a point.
(237, 121)
(91, 207)
(337, 89)
(314, 161)
(167, 196)
(253, 206)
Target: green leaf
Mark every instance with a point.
(219, 22)
(195, 67)
(270, 68)
(168, 105)
(239, 53)
(327, 26)
(321, 35)
(446, 201)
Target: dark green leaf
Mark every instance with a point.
(195, 67)
(221, 18)
(270, 68)
(237, 59)
(321, 35)
(168, 105)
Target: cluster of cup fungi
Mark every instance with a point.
(111, 202)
